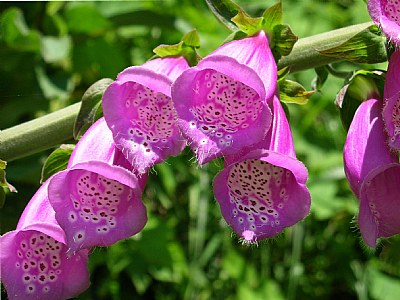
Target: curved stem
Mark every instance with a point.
(39, 134)
(49, 131)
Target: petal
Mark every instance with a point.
(386, 14)
(262, 194)
(365, 148)
(96, 144)
(391, 110)
(218, 114)
(278, 139)
(34, 265)
(97, 204)
(171, 66)
(139, 111)
(379, 204)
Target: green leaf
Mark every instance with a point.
(56, 161)
(224, 11)
(272, 17)
(16, 33)
(363, 85)
(365, 47)
(322, 76)
(91, 104)
(55, 49)
(246, 23)
(283, 41)
(293, 92)
(168, 50)
(85, 18)
(191, 39)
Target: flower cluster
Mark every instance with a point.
(371, 160)
(226, 106)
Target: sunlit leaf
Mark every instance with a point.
(56, 161)
(272, 16)
(224, 11)
(55, 49)
(246, 23)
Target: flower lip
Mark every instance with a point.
(262, 193)
(97, 204)
(385, 14)
(379, 205)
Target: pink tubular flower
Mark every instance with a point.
(139, 111)
(96, 202)
(33, 258)
(373, 173)
(386, 14)
(222, 103)
(391, 110)
(263, 191)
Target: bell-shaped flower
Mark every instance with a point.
(33, 258)
(386, 14)
(222, 103)
(373, 173)
(391, 110)
(97, 202)
(139, 111)
(263, 191)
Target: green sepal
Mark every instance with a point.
(57, 161)
(91, 109)
(293, 92)
(368, 46)
(247, 24)
(4, 185)
(272, 17)
(320, 79)
(283, 40)
(224, 11)
(186, 48)
(282, 73)
(361, 86)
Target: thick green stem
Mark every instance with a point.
(306, 55)
(49, 131)
(39, 134)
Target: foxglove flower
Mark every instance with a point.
(373, 173)
(386, 14)
(97, 203)
(222, 103)
(33, 258)
(391, 110)
(263, 191)
(139, 111)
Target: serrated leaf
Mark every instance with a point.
(16, 33)
(365, 47)
(56, 161)
(91, 103)
(283, 41)
(246, 23)
(293, 92)
(169, 50)
(191, 39)
(272, 16)
(224, 11)
(322, 76)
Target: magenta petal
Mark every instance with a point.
(379, 204)
(391, 110)
(139, 111)
(365, 148)
(386, 14)
(262, 194)
(278, 139)
(33, 258)
(97, 204)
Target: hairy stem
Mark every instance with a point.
(39, 134)
(55, 128)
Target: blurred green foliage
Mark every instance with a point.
(51, 52)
